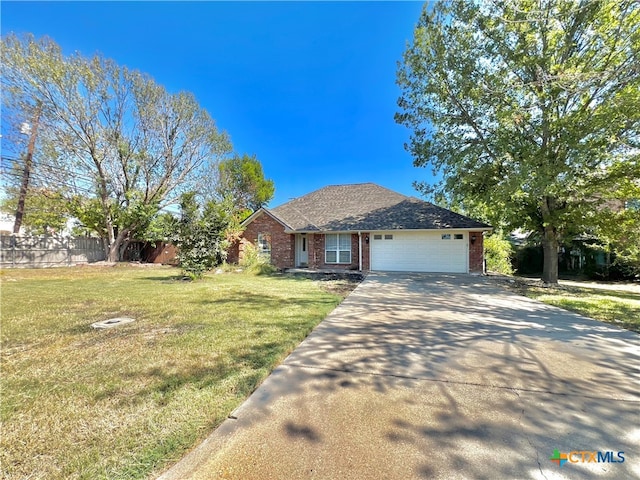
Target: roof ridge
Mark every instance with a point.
(365, 206)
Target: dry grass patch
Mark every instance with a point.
(126, 402)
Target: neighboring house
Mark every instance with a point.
(364, 227)
(6, 224)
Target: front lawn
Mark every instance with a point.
(126, 402)
(620, 308)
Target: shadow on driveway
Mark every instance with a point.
(437, 376)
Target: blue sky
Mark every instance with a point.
(308, 87)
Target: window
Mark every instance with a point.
(446, 236)
(388, 237)
(458, 236)
(377, 237)
(264, 245)
(337, 248)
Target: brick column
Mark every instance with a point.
(476, 253)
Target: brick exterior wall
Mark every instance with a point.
(476, 253)
(282, 244)
(366, 252)
(283, 247)
(317, 253)
(315, 247)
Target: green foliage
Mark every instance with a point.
(241, 178)
(110, 131)
(527, 108)
(498, 252)
(616, 307)
(201, 235)
(617, 222)
(161, 228)
(528, 259)
(46, 211)
(253, 262)
(620, 233)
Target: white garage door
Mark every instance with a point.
(419, 252)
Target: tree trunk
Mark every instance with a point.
(550, 257)
(549, 241)
(109, 242)
(114, 247)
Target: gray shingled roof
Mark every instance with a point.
(366, 207)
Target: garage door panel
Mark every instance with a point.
(419, 252)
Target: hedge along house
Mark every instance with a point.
(364, 227)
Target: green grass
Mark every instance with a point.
(618, 308)
(126, 402)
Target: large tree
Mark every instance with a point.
(525, 108)
(112, 131)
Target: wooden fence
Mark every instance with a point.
(34, 252)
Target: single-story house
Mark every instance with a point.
(364, 227)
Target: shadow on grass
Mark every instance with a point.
(242, 369)
(584, 292)
(614, 312)
(170, 279)
(256, 301)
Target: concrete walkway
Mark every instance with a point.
(437, 376)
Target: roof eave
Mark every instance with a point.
(259, 212)
(476, 229)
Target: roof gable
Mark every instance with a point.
(262, 211)
(366, 207)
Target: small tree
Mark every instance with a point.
(202, 234)
(241, 178)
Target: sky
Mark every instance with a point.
(307, 87)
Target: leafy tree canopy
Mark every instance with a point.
(528, 109)
(110, 131)
(46, 211)
(203, 235)
(241, 178)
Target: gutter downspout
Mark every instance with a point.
(360, 251)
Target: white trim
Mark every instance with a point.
(360, 251)
(338, 250)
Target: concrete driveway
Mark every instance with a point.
(438, 376)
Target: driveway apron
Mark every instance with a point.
(438, 376)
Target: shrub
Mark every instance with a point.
(201, 235)
(253, 262)
(498, 253)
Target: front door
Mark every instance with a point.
(302, 253)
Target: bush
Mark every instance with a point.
(201, 235)
(498, 253)
(253, 262)
(529, 260)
